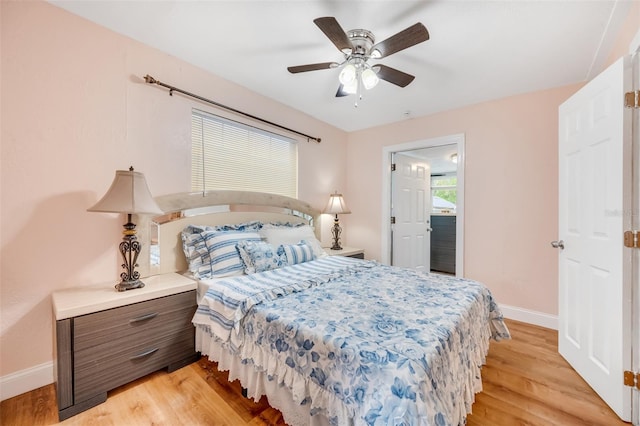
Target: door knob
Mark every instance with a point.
(558, 244)
(429, 229)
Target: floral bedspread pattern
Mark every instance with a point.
(361, 342)
(226, 304)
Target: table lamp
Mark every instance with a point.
(336, 206)
(128, 194)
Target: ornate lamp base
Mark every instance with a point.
(129, 249)
(336, 231)
(129, 285)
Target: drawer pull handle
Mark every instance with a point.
(143, 354)
(144, 317)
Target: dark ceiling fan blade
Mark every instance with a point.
(340, 93)
(411, 36)
(332, 29)
(312, 67)
(392, 75)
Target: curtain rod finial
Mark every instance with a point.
(150, 79)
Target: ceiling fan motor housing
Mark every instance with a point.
(362, 41)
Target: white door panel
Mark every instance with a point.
(411, 207)
(635, 274)
(594, 275)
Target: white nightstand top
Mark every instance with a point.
(346, 251)
(71, 302)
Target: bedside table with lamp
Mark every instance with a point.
(106, 337)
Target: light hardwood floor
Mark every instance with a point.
(525, 382)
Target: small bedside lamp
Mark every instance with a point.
(336, 206)
(128, 194)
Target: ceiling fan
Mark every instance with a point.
(358, 46)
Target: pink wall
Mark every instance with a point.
(75, 109)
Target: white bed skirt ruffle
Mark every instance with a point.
(258, 382)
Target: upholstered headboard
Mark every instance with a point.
(161, 235)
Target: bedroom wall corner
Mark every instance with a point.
(625, 36)
(74, 109)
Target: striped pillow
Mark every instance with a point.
(298, 253)
(221, 246)
(195, 249)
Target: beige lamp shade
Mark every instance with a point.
(129, 193)
(336, 205)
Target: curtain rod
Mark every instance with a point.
(172, 89)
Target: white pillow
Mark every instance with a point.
(281, 235)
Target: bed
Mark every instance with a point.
(328, 339)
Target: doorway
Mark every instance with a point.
(436, 155)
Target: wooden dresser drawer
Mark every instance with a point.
(154, 317)
(116, 346)
(128, 359)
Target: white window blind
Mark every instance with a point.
(234, 156)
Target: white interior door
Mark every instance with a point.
(411, 207)
(594, 267)
(635, 282)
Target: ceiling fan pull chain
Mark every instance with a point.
(359, 83)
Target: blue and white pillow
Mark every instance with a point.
(252, 226)
(195, 248)
(287, 224)
(259, 256)
(197, 229)
(223, 251)
(196, 253)
(298, 253)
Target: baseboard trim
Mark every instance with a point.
(26, 380)
(529, 316)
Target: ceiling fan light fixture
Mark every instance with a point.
(351, 87)
(369, 79)
(375, 54)
(348, 74)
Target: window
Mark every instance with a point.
(229, 155)
(444, 193)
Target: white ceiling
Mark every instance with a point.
(478, 50)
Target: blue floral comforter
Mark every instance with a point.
(360, 341)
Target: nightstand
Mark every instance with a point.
(105, 338)
(346, 251)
